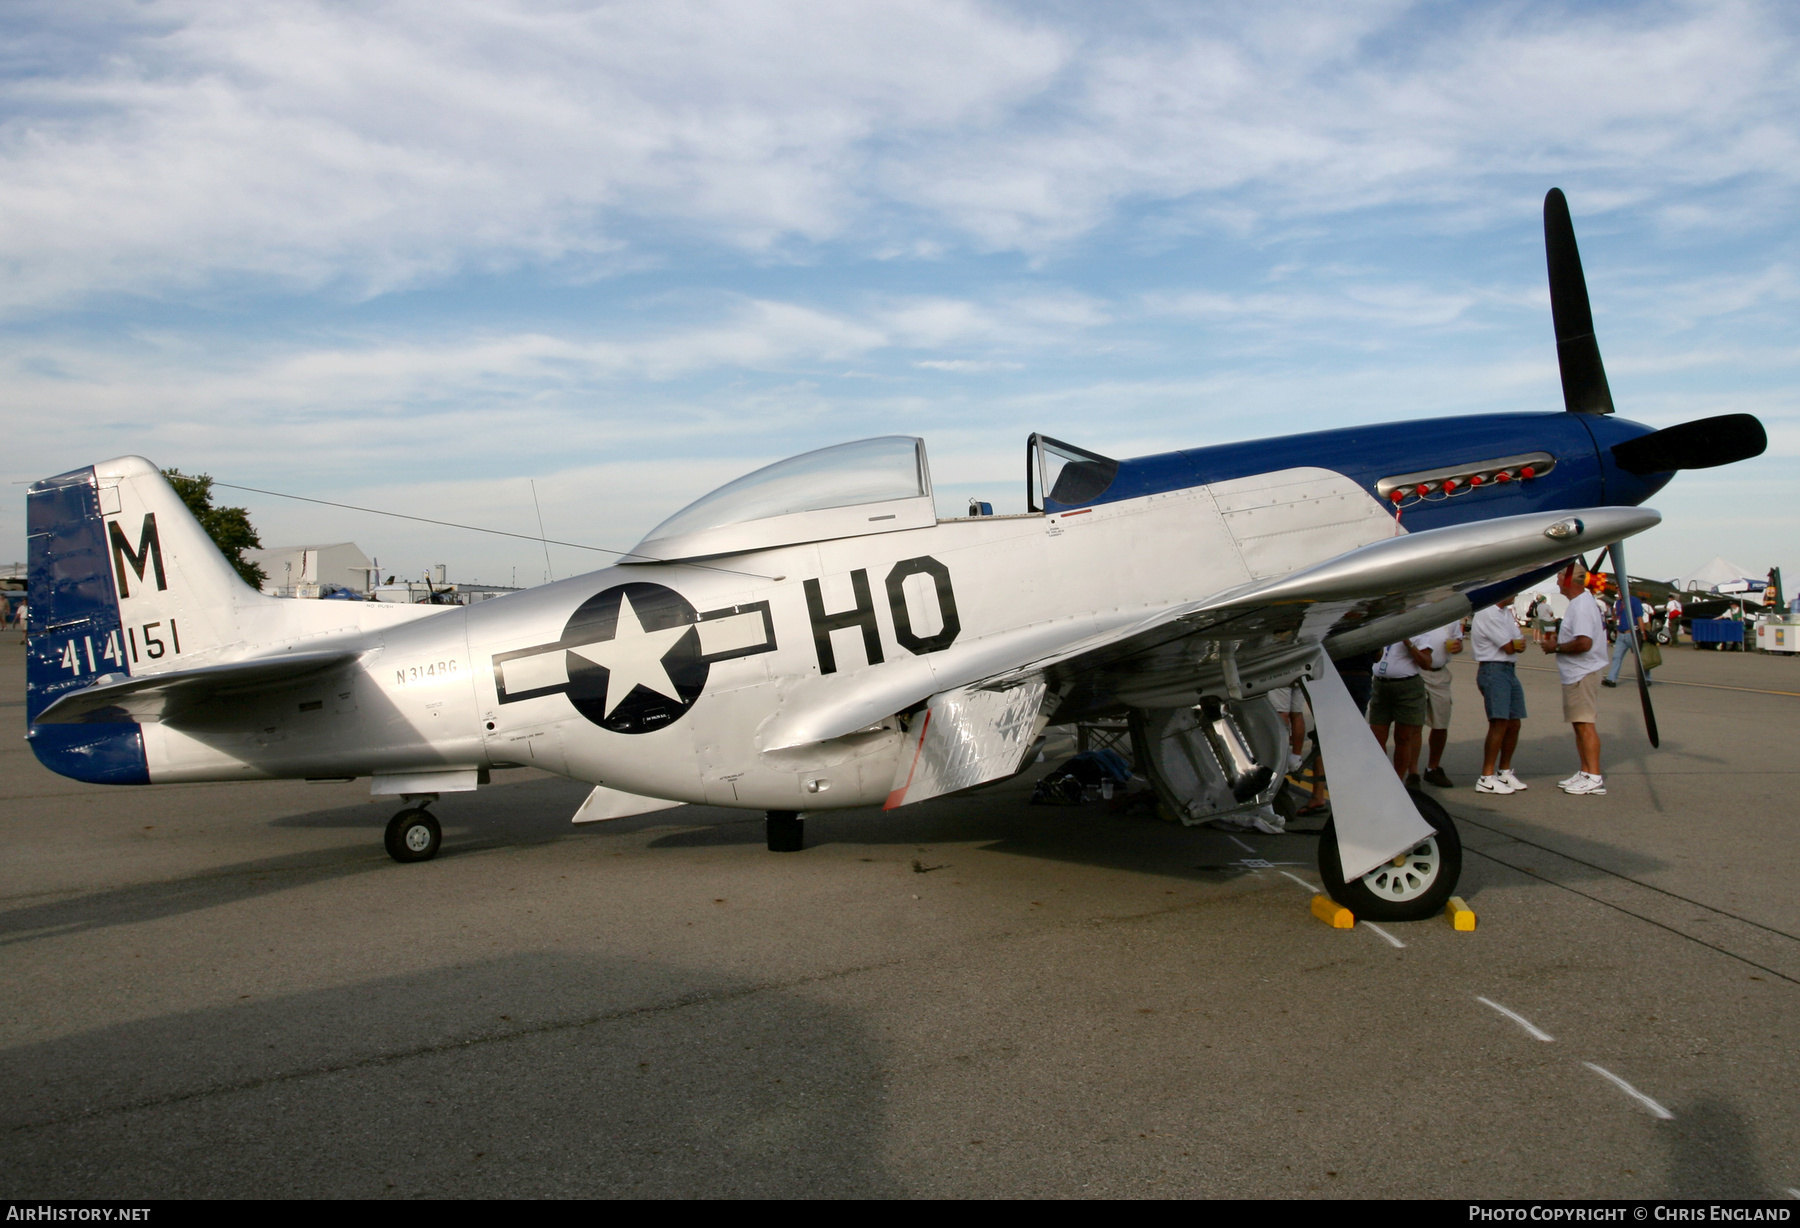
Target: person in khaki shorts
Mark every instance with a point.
(1581, 657)
(1444, 643)
(1398, 699)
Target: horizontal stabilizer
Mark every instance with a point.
(159, 695)
(965, 738)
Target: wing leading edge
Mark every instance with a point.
(1278, 622)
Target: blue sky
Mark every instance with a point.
(419, 255)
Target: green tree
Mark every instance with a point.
(229, 527)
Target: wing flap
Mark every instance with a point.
(968, 737)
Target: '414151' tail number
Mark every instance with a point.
(84, 655)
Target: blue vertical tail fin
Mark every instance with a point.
(75, 634)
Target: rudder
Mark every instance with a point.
(124, 582)
(75, 633)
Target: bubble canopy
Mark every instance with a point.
(815, 495)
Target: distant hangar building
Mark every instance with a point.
(313, 571)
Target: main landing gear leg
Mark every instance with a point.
(786, 830)
(413, 834)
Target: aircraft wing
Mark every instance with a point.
(1251, 634)
(153, 697)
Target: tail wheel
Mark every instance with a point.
(1412, 886)
(413, 835)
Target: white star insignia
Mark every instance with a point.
(633, 657)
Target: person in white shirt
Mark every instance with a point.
(1581, 656)
(1398, 699)
(1672, 620)
(1496, 640)
(1445, 642)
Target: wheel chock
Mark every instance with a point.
(1332, 913)
(1462, 917)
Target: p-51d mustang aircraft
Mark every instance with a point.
(813, 636)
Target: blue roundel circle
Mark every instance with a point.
(633, 658)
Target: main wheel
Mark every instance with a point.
(413, 835)
(1410, 887)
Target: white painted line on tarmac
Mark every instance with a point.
(1793, 1191)
(1240, 844)
(1656, 1110)
(1392, 941)
(1303, 882)
(1537, 1033)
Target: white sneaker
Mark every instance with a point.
(1518, 785)
(1564, 784)
(1493, 784)
(1586, 785)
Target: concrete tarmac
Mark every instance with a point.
(231, 991)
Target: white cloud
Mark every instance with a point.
(1384, 304)
(306, 144)
(317, 143)
(807, 198)
(966, 366)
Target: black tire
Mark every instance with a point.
(1412, 892)
(413, 835)
(786, 831)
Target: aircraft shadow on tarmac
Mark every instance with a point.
(997, 819)
(530, 812)
(539, 1074)
(1131, 839)
(1001, 820)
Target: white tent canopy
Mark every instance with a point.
(1719, 571)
